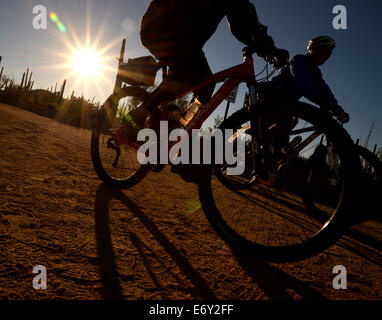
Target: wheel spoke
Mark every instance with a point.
(287, 216)
(116, 163)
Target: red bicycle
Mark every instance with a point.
(268, 221)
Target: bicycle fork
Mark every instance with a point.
(260, 145)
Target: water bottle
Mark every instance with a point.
(190, 113)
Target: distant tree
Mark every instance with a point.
(379, 153)
(4, 81)
(182, 103)
(217, 121)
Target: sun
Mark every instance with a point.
(87, 63)
(85, 57)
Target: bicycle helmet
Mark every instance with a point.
(321, 41)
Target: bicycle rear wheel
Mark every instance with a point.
(114, 162)
(272, 223)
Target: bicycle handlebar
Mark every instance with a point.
(248, 51)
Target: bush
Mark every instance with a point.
(75, 111)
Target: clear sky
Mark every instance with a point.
(353, 72)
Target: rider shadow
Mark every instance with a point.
(277, 285)
(111, 284)
(366, 205)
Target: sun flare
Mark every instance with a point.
(87, 57)
(87, 63)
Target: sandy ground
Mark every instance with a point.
(140, 243)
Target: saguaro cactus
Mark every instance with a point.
(22, 81)
(62, 91)
(118, 81)
(26, 77)
(30, 80)
(4, 82)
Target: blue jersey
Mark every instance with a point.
(303, 80)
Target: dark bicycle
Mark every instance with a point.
(268, 222)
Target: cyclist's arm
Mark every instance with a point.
(303, 78)
(311, 85)
(327, 99)
(245, 25)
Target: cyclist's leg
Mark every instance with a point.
(137, 116)
(185, 70)
(193, 70)
(279, 125)
(279, 132)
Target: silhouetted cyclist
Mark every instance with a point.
(301, 78)
(175, 31)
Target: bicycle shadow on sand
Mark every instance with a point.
(358, 242)
(355, 239)
(110, 277)
(276, 284)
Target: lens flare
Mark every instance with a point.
(53, 16)
(61, 27)
(192, 205)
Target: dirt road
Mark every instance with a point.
(141, 243)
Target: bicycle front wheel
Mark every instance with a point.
(273, 222)
(114, 162)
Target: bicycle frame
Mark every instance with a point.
(234, 75)
(231, 77)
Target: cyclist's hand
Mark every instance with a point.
(337, 112)
(280, 58)
(343, 117)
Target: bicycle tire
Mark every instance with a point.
(235, 182)
(247, 179)
(107, 118)
(327, 234)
